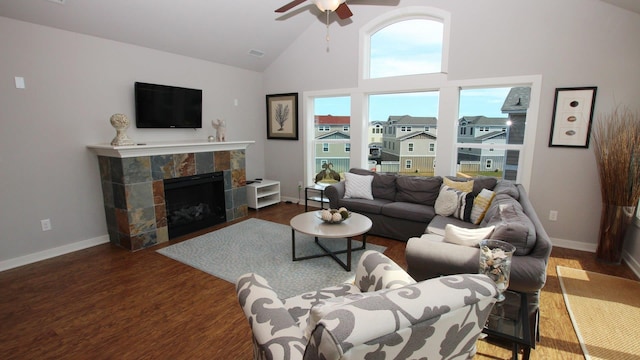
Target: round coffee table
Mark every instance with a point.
(310, 223)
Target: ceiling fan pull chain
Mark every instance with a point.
(328, 38)
(328, 24)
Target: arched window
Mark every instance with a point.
(407, 47)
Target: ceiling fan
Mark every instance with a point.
(340, 7)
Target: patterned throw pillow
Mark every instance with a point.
(481, 204)
(464, 205)
(357, 186)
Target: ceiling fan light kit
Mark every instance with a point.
(327, 5)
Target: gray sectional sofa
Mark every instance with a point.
(403, 208)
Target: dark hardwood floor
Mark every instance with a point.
(107, 303)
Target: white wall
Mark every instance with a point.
(74, 83)
(570, 43)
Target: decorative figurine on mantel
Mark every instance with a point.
(120, 122)
(221, 129)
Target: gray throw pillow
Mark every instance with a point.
(514, 226)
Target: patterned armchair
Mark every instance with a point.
(383, 314)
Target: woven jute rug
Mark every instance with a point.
(605, 311)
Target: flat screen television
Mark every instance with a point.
(162, 106)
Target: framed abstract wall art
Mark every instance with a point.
(572, 116)
(282, 116)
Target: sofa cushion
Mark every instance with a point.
(464, 236)
(418, 189)
(409, 211)
(501, 199)
(515, 227)
(358, 186)
(363, 206)
(383, 185)
(507, 187)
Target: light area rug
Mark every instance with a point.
(605, 312)
(264, 247)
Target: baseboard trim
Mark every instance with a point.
(577, 245)
(50, 253)
(631, 262)
(574, 245)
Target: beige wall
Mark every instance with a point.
(74, 83)
(569, 43)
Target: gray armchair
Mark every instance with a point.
(383, 314)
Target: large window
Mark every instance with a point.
(490, 132)
(410, 122)
(331, 138)
(413, 120)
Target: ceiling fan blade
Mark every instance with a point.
(290, 5)
(343, 11)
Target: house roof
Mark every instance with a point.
(517, 101)
(412, 120)
(484, 121)
(334, 135)
(332, 120)
(416, 134)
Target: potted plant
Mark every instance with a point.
(617, 149)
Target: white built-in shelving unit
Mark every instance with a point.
(263, 193)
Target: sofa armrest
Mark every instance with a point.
(334, 193)
(275, 332)
(389, 323)
(427, 259)
(375, 271)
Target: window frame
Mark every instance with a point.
(446, 146)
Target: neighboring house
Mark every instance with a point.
(331, 128)
(481, 130)
(376, 128)
(410, 142)
(515, 105)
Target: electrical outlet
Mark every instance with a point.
(553, 215)
(46, 224)
(299, 184)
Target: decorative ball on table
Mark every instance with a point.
(120, 122)
(333, 216)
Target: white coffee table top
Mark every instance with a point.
(310, 223)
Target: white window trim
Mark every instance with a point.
(448, 101)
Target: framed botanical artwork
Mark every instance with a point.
(572, 116)
(282, 116)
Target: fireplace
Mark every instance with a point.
(194, 203)
(133, 187)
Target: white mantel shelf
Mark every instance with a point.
(166, 148)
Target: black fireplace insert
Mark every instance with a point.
(194, 203)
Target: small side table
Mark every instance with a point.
(509, 320)
(315, 192)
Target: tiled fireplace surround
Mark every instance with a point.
(133, 189)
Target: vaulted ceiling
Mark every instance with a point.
(224, 32)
